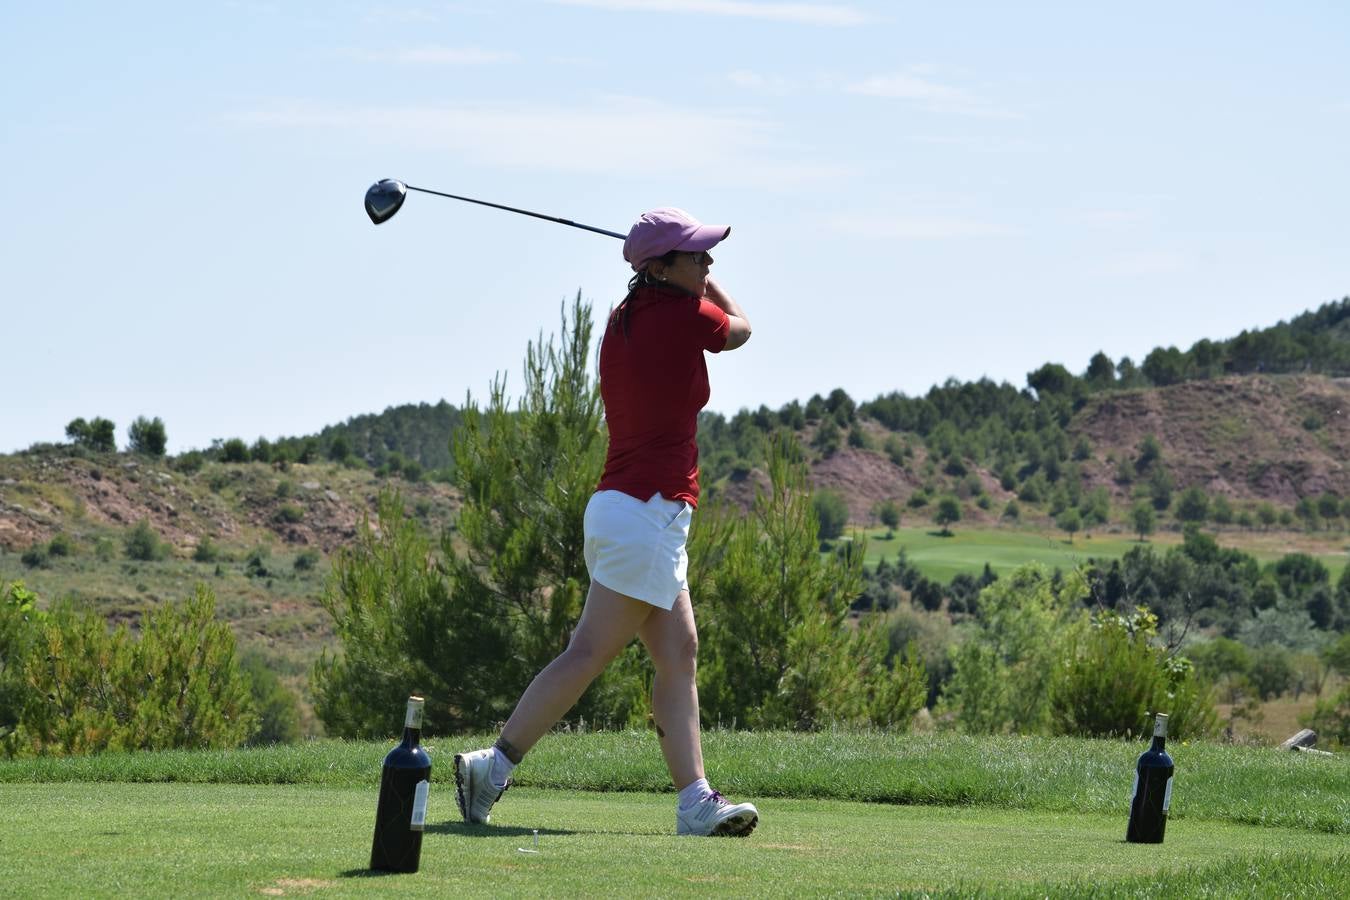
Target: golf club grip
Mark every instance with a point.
(523, 212)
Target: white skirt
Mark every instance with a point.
(637, 549)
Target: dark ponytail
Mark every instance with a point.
(618, 319)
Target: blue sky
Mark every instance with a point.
(917, 191)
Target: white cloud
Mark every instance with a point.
(928, 94)
(800, 13)
(434, 56)
(740, 147)
(917, 228)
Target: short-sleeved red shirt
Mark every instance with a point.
(654, 382)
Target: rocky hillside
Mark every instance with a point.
(316, 506)
(1275, 438)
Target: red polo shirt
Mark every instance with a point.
(654, 382)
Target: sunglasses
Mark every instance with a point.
(702, 257)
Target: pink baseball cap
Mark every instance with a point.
(659, 231)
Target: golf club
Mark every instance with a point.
(385, 197)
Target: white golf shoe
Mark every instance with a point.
(473, 785)
(715, 816)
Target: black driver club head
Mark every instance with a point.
(384, 199)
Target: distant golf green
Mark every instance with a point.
(1004, 549)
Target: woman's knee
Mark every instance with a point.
(678, 653)
(584, 655)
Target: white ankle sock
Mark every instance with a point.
(502, 767)
(694, 793)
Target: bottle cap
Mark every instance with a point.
(1160, 725)
(414, 718)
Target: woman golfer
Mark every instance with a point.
(654, 381)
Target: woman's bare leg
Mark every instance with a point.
(672, 641)
(609, 621)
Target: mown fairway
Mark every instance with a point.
(238, 840)
(1004, 549)
(960, 816)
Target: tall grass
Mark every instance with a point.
(1246, 785)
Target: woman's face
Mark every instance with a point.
(689, 271)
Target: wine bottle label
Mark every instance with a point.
(1160, 726)
(1167, 795)
(419, 813)
(414, 718)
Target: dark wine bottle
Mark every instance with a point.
(402, 810)
(1152, 793)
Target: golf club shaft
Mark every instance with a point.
(523, 212)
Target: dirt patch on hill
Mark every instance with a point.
(1276, 438)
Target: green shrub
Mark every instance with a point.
(105, 548)
(234, 451)
(1330, 718)
(290, 514)
(35, 557)
(276, 706)
(176, 686)
(831, 513)
(1112, 679)
(306, 560)
(61, 544)
(142, 543)
(189, 463)
(255, 564)
(206, 550)
(1001, 673)
(19, 617)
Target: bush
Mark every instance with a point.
(1272, 671)
(306, 560)
(1113, 679)
(234, 451)
(888, 512)
(142, 543)
(206, 550)
(176, 686)
(19, 616)
(189, 463)
(255, 564)
(277, 708)
(290, 514)
(61, 545)
(1331, 718)
(35, 557)
(831, 513)
(1001, 674)
(1193, 505)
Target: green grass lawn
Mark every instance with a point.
(1004, 549)
(280, 840)
(850, 813)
